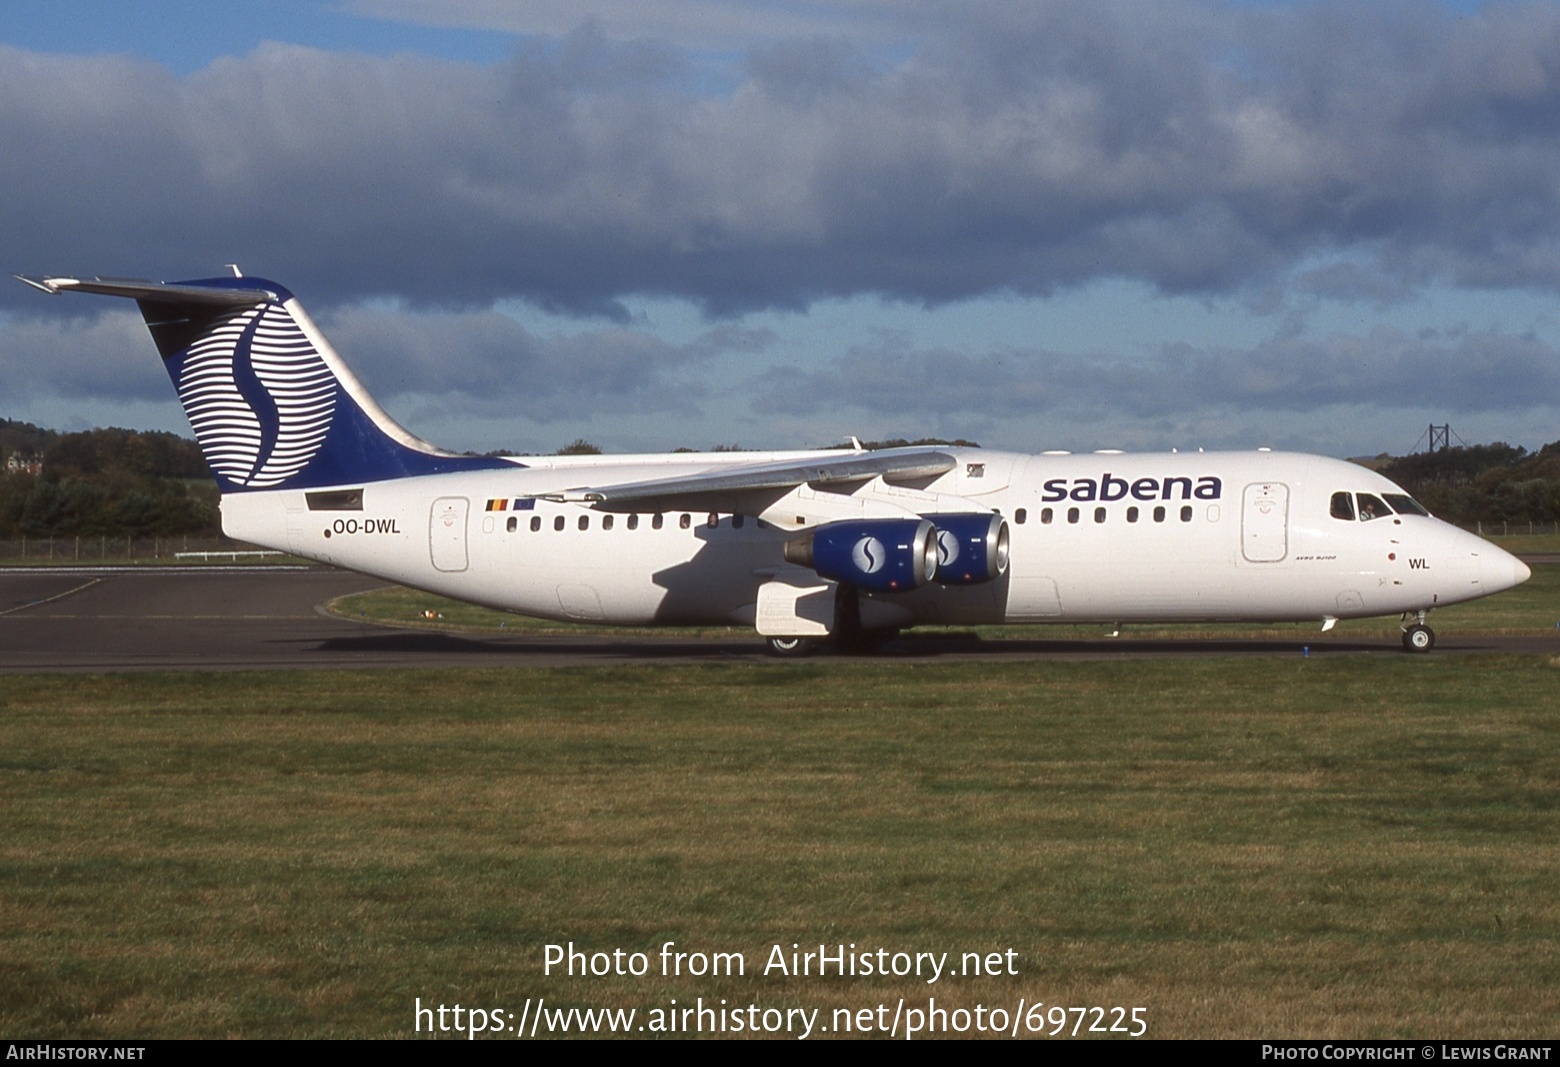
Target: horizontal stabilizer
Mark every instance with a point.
(156, 292)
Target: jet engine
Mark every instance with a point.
(971, 549)
(879, 555)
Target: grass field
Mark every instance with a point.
(1339, 846)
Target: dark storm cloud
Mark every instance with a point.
(494, 366)
(1021, 146)
(1385, 370)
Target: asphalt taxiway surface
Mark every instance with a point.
(237, 618)
(243, 618)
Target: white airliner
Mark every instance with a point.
(851, 546)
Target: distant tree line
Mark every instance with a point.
(1481, 483)
(104, 483)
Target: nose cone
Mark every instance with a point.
(1499, 569)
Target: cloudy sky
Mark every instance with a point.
(1038, 224)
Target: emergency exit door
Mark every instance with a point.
(447, 533)
(1264, 526)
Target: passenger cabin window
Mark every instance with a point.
(1132, 514)
(737, 522)
(686, 521)
(1072, 514)
(536, 523)
(1372, 507)
(513, 524)
(1186, 513)
(584, 522)
(1021, 516)
(1159, 513)
(1045, 516)
(558, 523)
(714, 520)
(606, 522)
(1343, 506)
(656, 522)
(633, 522)
(1099, 514)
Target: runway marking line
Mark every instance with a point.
(51, 599)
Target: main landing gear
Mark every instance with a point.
(1417, 637)
(792, 647)
(860, 643)
(848, 636)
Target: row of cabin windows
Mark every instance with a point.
(1075, 515)
(1342, 507)
(657, 521)
(685, 521)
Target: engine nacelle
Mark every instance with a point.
(971, 549)
(879, 555)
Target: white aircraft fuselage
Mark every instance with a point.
(801, 546)
(1260, 544)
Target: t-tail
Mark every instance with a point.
(272, 404)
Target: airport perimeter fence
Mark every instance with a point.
(1514, 529)
(90, 550)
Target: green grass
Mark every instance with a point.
(1531, 608)
(1325, 847)
(1520, 543)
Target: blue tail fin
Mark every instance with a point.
(271, 402)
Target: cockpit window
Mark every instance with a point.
(1405, 505)
(1372, 507)
(1343, 506)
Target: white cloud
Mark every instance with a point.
(1386, 370)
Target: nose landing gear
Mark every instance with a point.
(1417, 637)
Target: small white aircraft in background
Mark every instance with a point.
(852, 546)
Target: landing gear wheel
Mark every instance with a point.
(1418, 638)
(791, 647)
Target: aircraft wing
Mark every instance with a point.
(698, 491)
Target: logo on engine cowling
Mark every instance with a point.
(947, 549)
(869, 555)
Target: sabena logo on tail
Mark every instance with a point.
(259, 397)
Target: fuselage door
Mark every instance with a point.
(447, 533)
(1265, 522)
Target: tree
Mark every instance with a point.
(579, 447)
